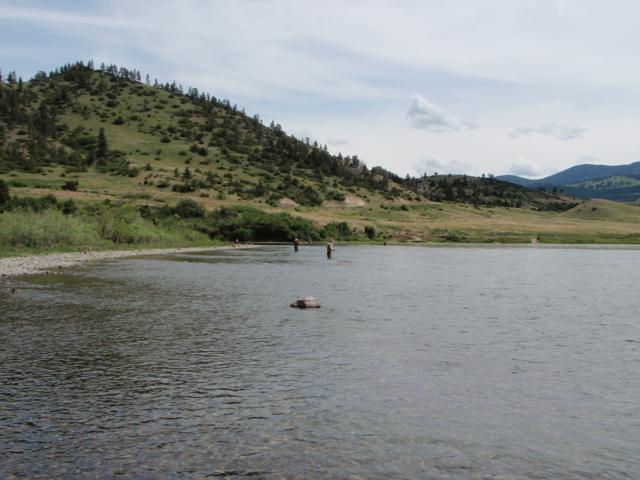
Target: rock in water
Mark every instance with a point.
(306, 302)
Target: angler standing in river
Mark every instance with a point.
(330, 249)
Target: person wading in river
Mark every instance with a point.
(330, 248)
(296, 244)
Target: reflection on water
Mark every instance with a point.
(421, 363)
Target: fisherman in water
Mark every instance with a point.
(330, 249)
(296, 244)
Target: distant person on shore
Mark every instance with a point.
(330, 249)
(296, 244)
(236, 243)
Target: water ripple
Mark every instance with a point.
(422, 363)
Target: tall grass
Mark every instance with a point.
(101, 229)
(45, 229)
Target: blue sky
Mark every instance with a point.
(500, 86)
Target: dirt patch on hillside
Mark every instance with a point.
(63, 194)
(352, 201)
(288, 203)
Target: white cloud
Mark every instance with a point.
(436, 164)
(524, 168)
(357, 67)
(556, 130)
(36, 15)
(425, 115)
(338, 142)
(589, 160)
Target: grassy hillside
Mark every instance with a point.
(115, 135)
(102, 142)
(156, 141)
(609, 182)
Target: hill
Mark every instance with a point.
(524, 182)
(605, 210)
(577, 174)
(614, 182)
(109, 123)
(78, 120)
(135, 162)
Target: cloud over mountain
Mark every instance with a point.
(524, 168)
(433, 164)
(559, 131)
(425, 115)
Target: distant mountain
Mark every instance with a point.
(524, 182)
(614, 182)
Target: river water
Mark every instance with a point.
(422, 363)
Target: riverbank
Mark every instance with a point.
(53, 262)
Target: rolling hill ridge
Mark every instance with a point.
(613, 182)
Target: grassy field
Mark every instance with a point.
(594, 221)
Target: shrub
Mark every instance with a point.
(336, 195)
(370, 232)
(68, 207)
(70, 185)
(33, 204)
(185, 187)
(339, 231)
(247, 223)
(124, 225)
(454, 237)
(189, 209)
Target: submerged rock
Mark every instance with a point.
(306, 302)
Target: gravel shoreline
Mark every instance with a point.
(53, 262)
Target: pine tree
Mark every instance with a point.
(102, 144)
(4, 193)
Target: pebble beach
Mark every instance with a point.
(53, 262)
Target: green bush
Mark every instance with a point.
(189, 209)
(38, 204)
(339, 231)
(370, 232)
(125, 225)
(454, 237)
(247, 223)
(46, 223)
(68, 207)
(336, 195)
(70, 185)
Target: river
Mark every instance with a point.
(457, 363)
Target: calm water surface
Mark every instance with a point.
(422, 363)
